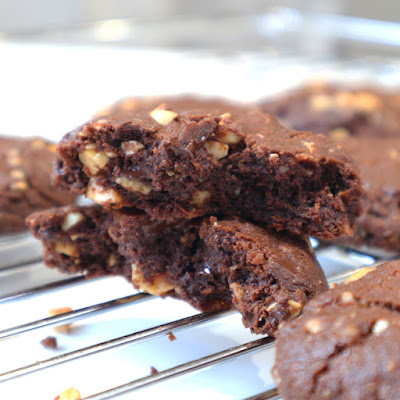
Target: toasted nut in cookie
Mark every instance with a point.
(163, 117)
(157, 287)
(94, 160)
(313, 326)
(296, 308)
(133, 185)
(132, 146)
(71, 219)
(380, 326)
(216, 149)
(230, 137)
(339, 133)
(100, 195)
(66, 248)
(200, 197)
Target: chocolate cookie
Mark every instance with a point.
(175, 162)
(346, 344)
(211, 263)
(379, 164)
(338, 110)
(25, 167)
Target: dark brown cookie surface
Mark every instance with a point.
(176, 162)
(345, 344)
(213, 264)
(339, 110)
(379, 164)
(25, 168)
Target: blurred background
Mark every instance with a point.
(80, 55)
(225, 25)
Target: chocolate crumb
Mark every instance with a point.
(153, 371)
(171, 337)
(50, 342)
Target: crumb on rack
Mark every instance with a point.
(58, 311)
(171, 337)
(50, 342)
(69, 394)
(153, 370)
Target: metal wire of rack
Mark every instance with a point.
(332, 258)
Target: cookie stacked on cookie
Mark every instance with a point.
(202, 200)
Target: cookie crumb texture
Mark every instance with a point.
(211, 263)
(174, 163)
(345, 344)
(25, 168)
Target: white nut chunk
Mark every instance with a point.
(133, 185)
(216, 149)
(58, 311)
(69, 394)
(380, 326)
(230, 137)
(163, 117)
(157, 287)
(94, 160)
(132, 147)
(313, 326)
(200, 197)
(100, 195)
(66, 248)
(71, 219)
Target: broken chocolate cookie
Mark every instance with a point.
(212, 263)
(176, 162)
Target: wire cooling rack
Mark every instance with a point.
(127, 344)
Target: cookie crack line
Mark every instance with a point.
(338, 350)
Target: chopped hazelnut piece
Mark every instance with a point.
(347, 297)
(216, 149)
(230, 137)
(58, 311)
(200, 197)
(380, 326)
(19, 185)
(69, 394)
(320, 102)
(310, 146)
(71, 219)
(94, 160)
(163, 117)
(297, 307)
(313, 326)
(101, 195)
(157, 287)
(132, 147)
(133, 185)
(66, 248)
(339, 133)
(359, 274)
(18, 174)
(237, 290)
